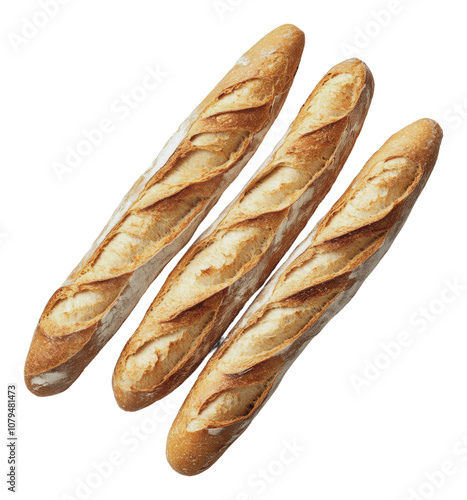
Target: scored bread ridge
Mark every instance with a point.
(160, 213)
(231, 260)
(315, 283)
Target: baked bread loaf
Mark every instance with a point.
(161, 212)
(321, 276)
(231, 260)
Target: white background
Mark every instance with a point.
(379, 443)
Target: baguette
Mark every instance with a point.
(320, 277)
(161, 212)
(235, 255)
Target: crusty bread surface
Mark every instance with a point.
(161, 212)
(235, 255)
(317, 281)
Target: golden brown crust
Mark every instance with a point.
(161, 212)
(312, 286)
(237, 253)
